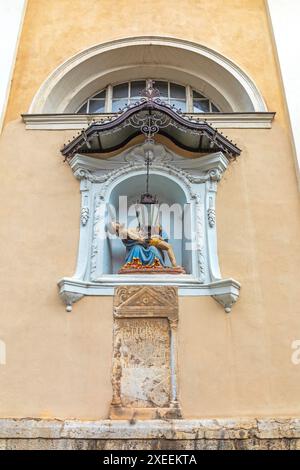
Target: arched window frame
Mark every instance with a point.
(189, 97)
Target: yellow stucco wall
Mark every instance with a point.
(58, 364)
(54, 31)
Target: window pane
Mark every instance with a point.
(177, 91)
(135, 99)
(96, 106)
(120, 91)
(162, 88)
(197, 95)
(214, 108)
(100, 95)
(83, 109)
(180, 104)
(117, 104)
(201, 106)
(136, 88)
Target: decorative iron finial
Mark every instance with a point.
(150, 92)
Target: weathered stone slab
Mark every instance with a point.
(144, 354)
(145, 360)
(224, 434)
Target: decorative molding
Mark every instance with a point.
(200, 239)
(98, 225)
(211, 215)
(198, 179)
(224, 291)
(253, 120)
(140, 301)
(80, 75)
(229, 295)
(69, 298)
(84, 216)
(231, 433)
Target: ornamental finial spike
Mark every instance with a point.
(150, 92)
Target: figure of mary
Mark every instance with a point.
(139, 251)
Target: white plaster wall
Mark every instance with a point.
(11, 19)
(285, 16)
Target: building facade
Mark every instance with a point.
(228, 327)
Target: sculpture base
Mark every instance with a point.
(151, 270)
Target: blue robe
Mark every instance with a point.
(145, 254)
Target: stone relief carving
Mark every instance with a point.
(153, 299)
(98, 221)
(143, 347)
(199, 240)
(84, 215)
(211, 215)
(157, 154)
(144, 353)
(69, 298)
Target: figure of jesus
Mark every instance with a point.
(150, 240)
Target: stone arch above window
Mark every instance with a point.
(205, 70)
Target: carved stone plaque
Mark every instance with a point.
(144, 358)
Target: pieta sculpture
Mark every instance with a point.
(145, 250)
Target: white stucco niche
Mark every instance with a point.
(189, 182)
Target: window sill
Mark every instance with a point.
(79, 121)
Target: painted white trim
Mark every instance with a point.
(198, 179)
(79, 121)
(12, 14)
(221, 74)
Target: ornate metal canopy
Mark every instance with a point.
(150, 116)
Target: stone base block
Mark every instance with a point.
(181, 434)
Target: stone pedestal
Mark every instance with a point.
(144, 375)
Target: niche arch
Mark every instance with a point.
(175, 215)
(192, 181)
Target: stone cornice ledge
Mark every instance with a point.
(253, 120)
(224, 291)
(175, 429)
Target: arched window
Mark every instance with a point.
(115, 97)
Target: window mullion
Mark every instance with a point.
(189, 99)
(192, 97)
(108, 99)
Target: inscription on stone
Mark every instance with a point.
(144, 384)
(144, 356)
